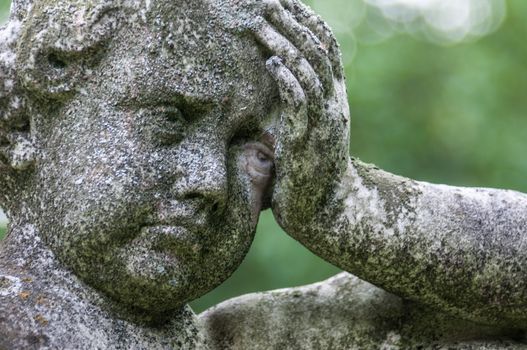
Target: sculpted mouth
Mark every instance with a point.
(176, 226)
(189, 214)
(166, 224)
(181, 239)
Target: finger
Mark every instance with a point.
(305, 16)
(305, 41)
(294, 117)
(293, 59)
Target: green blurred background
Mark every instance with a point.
(437, 91)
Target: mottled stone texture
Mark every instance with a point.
(139, 141)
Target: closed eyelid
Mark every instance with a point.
(265, 149)
(192, 108)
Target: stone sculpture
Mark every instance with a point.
(141, 139)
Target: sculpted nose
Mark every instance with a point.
(204, 176)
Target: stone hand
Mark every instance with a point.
(311, 149)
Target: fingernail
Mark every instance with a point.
(274, 61)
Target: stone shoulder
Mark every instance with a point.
(22, 321)
(39, 315)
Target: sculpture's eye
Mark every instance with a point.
(263, 163)
(170, 126)
(259, 161)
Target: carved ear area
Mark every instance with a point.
(63, 54)
(17, 150)
(51, 73)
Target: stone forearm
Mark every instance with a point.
(346, 313)
(462, 250)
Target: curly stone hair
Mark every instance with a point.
(66, 38)
(13, 120)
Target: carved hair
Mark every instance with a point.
(13, 120)
(45, 50)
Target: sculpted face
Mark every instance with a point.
(152, 177)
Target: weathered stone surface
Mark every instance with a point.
(343, 312)
(141, 139)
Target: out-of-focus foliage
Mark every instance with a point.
(433, 100)
(440, 21)
(453, 114)
(4, 9)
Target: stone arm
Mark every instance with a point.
(460, 250)
(342, 312)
